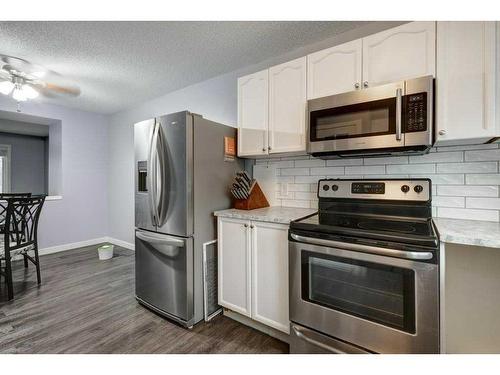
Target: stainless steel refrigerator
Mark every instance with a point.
(181, 177)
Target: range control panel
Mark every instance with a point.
(401, 189)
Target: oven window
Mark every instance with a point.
(375, 292)
(351, 121)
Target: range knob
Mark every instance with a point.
(418, 188)
(405, 188)
(335, 187)
(326, 187)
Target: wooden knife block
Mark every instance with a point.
(257, 199)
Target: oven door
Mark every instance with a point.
(383, 304)
(358, 120)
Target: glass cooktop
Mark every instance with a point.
(396, 229)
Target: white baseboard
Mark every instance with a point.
(117, 242)
(70, 246)
(76, 245)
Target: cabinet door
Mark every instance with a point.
(465, 80)
(253, 108)
(287, 106)
(270, 275)
(334, 70)
(407, 51)
(234, 276)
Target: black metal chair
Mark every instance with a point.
(3, 205)
(20, 235)
(3, 212)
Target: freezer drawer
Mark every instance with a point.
(164, 274)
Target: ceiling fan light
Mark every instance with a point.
(29, 92)
(6, 87)
(19, 95)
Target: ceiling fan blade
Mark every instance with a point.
(46, 82)
(20, 65)
(63, 90)
(52, 90)
(4, 75)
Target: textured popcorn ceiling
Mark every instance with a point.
(119, 64)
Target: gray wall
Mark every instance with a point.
(28, 163)
(81, 214)
(215, 99)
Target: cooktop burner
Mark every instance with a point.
(398, 211)
(375, 224)
(363, 226)
(390, 226)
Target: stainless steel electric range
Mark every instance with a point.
(364, 270)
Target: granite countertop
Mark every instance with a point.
(281, 215)
(468, 232)
(453, 231)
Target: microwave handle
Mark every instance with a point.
(399, 95)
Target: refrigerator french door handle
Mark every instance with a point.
(152, 173)
(162, 199)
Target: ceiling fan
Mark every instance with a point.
(23, 81)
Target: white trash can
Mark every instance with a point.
(105, 252)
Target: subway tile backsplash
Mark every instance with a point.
(466, 179)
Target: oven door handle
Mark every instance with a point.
(414, 255)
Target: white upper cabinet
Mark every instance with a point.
(272, 104)
(466, 81)
(334, 70)
(253, 114)
(406, 51)
(287, 106)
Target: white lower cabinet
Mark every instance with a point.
(253, 270)
(234, 262)
(270, 274)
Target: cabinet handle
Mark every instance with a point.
(245, 225)
(269, 148)
(356, 85)
(442, 132)
(251, 226)
(263, 149)
(365, 84)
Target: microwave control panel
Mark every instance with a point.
(416, 112)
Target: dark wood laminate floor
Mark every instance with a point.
(87, 306)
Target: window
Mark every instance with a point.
(5, 157)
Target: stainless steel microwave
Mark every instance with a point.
(391, 119)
